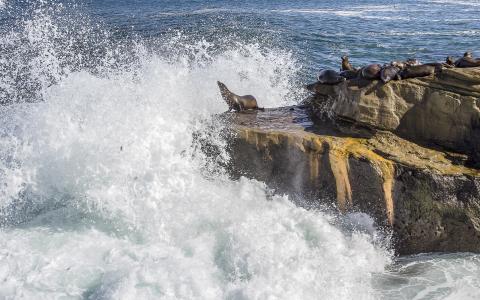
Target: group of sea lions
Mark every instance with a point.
(395, 70)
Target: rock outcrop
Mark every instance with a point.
(429, 200)
(441, 110)
(406, 152)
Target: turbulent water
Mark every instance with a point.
(104, 193)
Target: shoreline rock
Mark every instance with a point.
(440, 110)
(429, 200)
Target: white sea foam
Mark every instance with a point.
(125, 214)
(113, 202)
(351, 11)
(473, 3)
(102, 195)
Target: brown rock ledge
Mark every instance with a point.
(428, 200)
(441, 110)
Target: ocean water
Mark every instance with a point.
(104, 194)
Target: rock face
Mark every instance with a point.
(441, 110)
(428, 200)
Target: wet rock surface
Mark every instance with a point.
(428, 198)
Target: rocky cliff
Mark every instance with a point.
(441, 110)
(429, 200)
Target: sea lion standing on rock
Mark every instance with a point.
(330, 77)
(236, 102)
(417, 71)
(467, 61)
(346, 66)
(389, 73)
(371, 72)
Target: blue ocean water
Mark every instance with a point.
(317, 32)
(103, 194)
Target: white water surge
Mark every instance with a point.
(120, 211)
(102, 195)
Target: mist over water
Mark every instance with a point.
(104, 194)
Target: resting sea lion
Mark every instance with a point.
(346, 66)
(416, 71)
(236, 102)
(398, 64)
(467, 61)
(371, 71)
(349, 74)
(438, 66)
(450, 61)
(412, 62)
(330, 77)
(389, 73)
(403, 64)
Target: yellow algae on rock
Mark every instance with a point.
(339, 165)
(427, 197)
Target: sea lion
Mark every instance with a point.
(330, 77)
(346, 66)
(349, 74)
(467, 61)
(371, 71)
(389, 73)
(412, 62)
(450, 61)
(398, 64)
(403, 64)
(416, 71)
(438, 66)
(236, 102)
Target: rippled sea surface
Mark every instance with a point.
(104, 193)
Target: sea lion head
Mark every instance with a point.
(412, 62)
(468, 54)
(398, 64)
(227, 96)
(330, 77)
(344, 58)
(222, 86)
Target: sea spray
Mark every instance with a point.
(102, 195)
